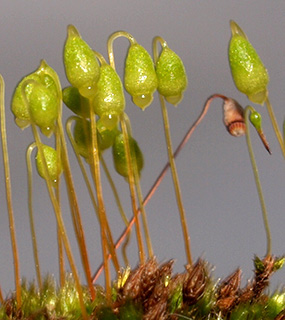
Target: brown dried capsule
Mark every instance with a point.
(195, 283)
(132, 287)
(149, 276)
(228, 291)
(160, 292)
(234, 117)
(141, 282)
(231, 284)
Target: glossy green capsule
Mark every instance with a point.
(81, 65)
(119, 155)
(171, 75)
(53, 163)
(109, 101)
(140, 77)
(37, 98)
(249, 73)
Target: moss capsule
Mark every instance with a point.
(256, 120)
(109, 101)
(52, 161)
(234, 117)
(43, 108)
(81, 65)
(36, 99)
(171, 74)
(140, 76)
(119, 155)
(249, 73)
(82, 137)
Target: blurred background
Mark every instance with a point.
(216, 178)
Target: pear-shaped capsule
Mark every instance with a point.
(109, 101)
(249, 73)
(119, 155)
(53, 163)
(36, 99)
(81, 65)
(140, 76)
(43, 108)
(171, 75)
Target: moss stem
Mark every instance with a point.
(95, 168)
(9, 193)
(76, 216)
(110, 44)
(140, 196)
(119, 205)
(31, 214)
(176, 181)
(249, 109)
(131, 180)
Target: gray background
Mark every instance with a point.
(217, 183)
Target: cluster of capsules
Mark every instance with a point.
(96, 90)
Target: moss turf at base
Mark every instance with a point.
(151, 291)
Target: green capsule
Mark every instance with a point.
(119, 155)
(171, 75)
(249, 73)
(43, 108)
(109, 101)
(82, 137)
(52, 161)
(140, 76)
(256, 120)
(75, 102)
(44, 100)
(37, 98)
(105, 136)
(81, 65)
